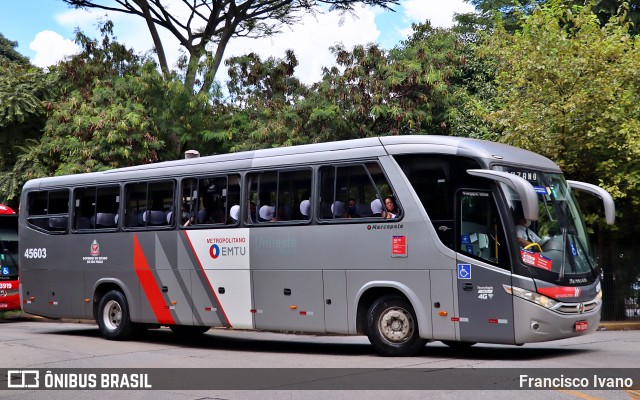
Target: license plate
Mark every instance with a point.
(581, 326)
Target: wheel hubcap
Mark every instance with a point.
(396, 325)
(112, 315)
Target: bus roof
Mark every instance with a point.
(491, 152)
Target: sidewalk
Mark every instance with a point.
(619, 325)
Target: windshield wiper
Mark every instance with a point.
(564, 254)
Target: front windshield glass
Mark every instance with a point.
(558, 241)
(8, 248)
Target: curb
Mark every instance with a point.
(619, 326)
(22, 317)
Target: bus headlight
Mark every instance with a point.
(599, 297)
(528, 295)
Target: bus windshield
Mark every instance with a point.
(558, 239)
(8, 247)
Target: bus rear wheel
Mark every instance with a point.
(113, 317)
(392, 327)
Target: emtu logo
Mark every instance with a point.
(214, 251)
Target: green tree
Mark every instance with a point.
(370, 92)
(407, 90)
(9, 53)
(511, 11)
(629, 10)
(268, 103)
(26, 95)
(211, 24)
(567, 88)
(114, 109)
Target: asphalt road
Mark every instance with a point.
(78, 346)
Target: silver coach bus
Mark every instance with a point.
(405, 239)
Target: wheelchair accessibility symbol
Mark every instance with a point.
(464, 271)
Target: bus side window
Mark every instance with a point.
(435, 179)
(49, 210)
(277, 196)
(208, 200)
(233, 199)
(480, 229)
(352, 191)
(96, 207)
(293, 188)
(383, 188)
(149, 204)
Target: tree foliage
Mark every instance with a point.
(114, 109)
(8, 51)
(511, 12)
(268, 103)
(567, 88)
(26, 94)
(209, 25)
(369, 92)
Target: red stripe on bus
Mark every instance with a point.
(149, 285)
(224, 314)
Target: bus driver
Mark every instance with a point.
(526, 236)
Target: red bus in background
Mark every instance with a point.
(9, 282)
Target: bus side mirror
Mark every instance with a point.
(525, 190)
(607, 200)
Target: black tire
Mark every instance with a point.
(392, 327)
(113, 317)
(458, 345)
(189, 330)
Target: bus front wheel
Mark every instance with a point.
(113, 317)
(392, 327)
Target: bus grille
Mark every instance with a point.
(576, 308)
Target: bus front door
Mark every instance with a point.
(485, 308)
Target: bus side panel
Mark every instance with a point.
(34, 288)
(174, 283)
(233, 292)
(442, 300)
(289, 300)
(51, 275)
(176, 286)
(153, 270)
(75, 296)
(221, 280)
(57, 292)
(487, 309)
(414, 286)
(335, 297)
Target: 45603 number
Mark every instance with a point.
(35, 253)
